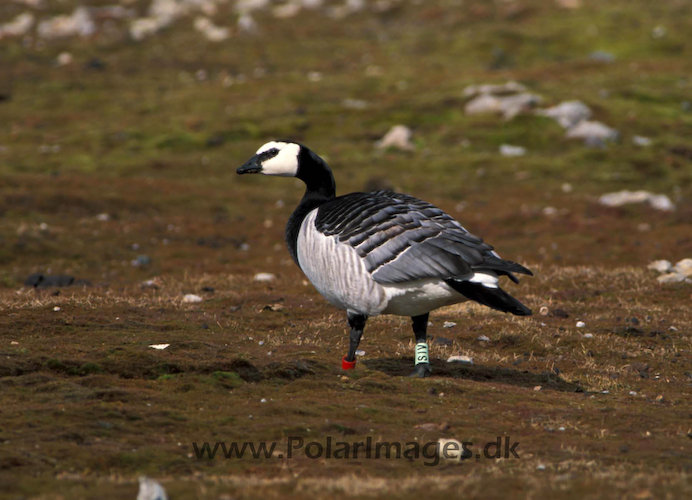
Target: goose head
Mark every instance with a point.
(290, 159)
(274, 158)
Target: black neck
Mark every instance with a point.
(320, 188)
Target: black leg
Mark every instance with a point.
(421, 359)
(357, 324)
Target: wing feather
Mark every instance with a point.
(401, 238)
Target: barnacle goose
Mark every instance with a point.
(383, 252)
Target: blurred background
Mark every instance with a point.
(558, 130)
(122, 123)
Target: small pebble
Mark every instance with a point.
(460, 359)
(141, 260)
(159, 347)
(543, 311)
(398, 137)
(588, 335)
(509, 150)
(581, 324)
(638, 140)
(56, 309)
(261, 342)
(483, 338)
(562, 429)
(449, 324)
(263, 400)
(191, 298)
(537, 388)
(633, 393)
(360, 352)
(540, 467)
(264, 277)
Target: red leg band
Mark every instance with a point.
(348, 365)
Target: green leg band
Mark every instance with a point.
(422, 353)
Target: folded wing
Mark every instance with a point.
(401, 238)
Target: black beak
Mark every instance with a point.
(252, 166)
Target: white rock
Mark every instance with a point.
(103, 217)
(625, 197)
(159, 347)
(460, 359)
(354, 104)
(79, 23)
(483, 338)
(513, 105)
(399, 136)
(671, 278)
(588, 335)
(56, 309)
(483, 104)
(581, 324)
(287, 10)
(568, 113)
(191, 298)
(210, 31)
(144, 27)
(247, 24)
(661, 266)
(112, 12)
(315, 76)
(449, 324)
(360, 352)
(684, 267)
(639, 140)
(18, 26)
(167, 9)
(63, 59)
(245, 6)
(264, 277)
(508, 150)
(540, 467)
(150, 490)
(661, 202)
(602, 56)
(507, 106)
(450, 450)
(592, 132)
(658, 32)
(149, 284)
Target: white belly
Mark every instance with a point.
(338, 273)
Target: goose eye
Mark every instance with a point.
(270, 153)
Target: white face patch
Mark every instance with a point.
(284, 163)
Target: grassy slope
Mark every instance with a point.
(87, 407)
